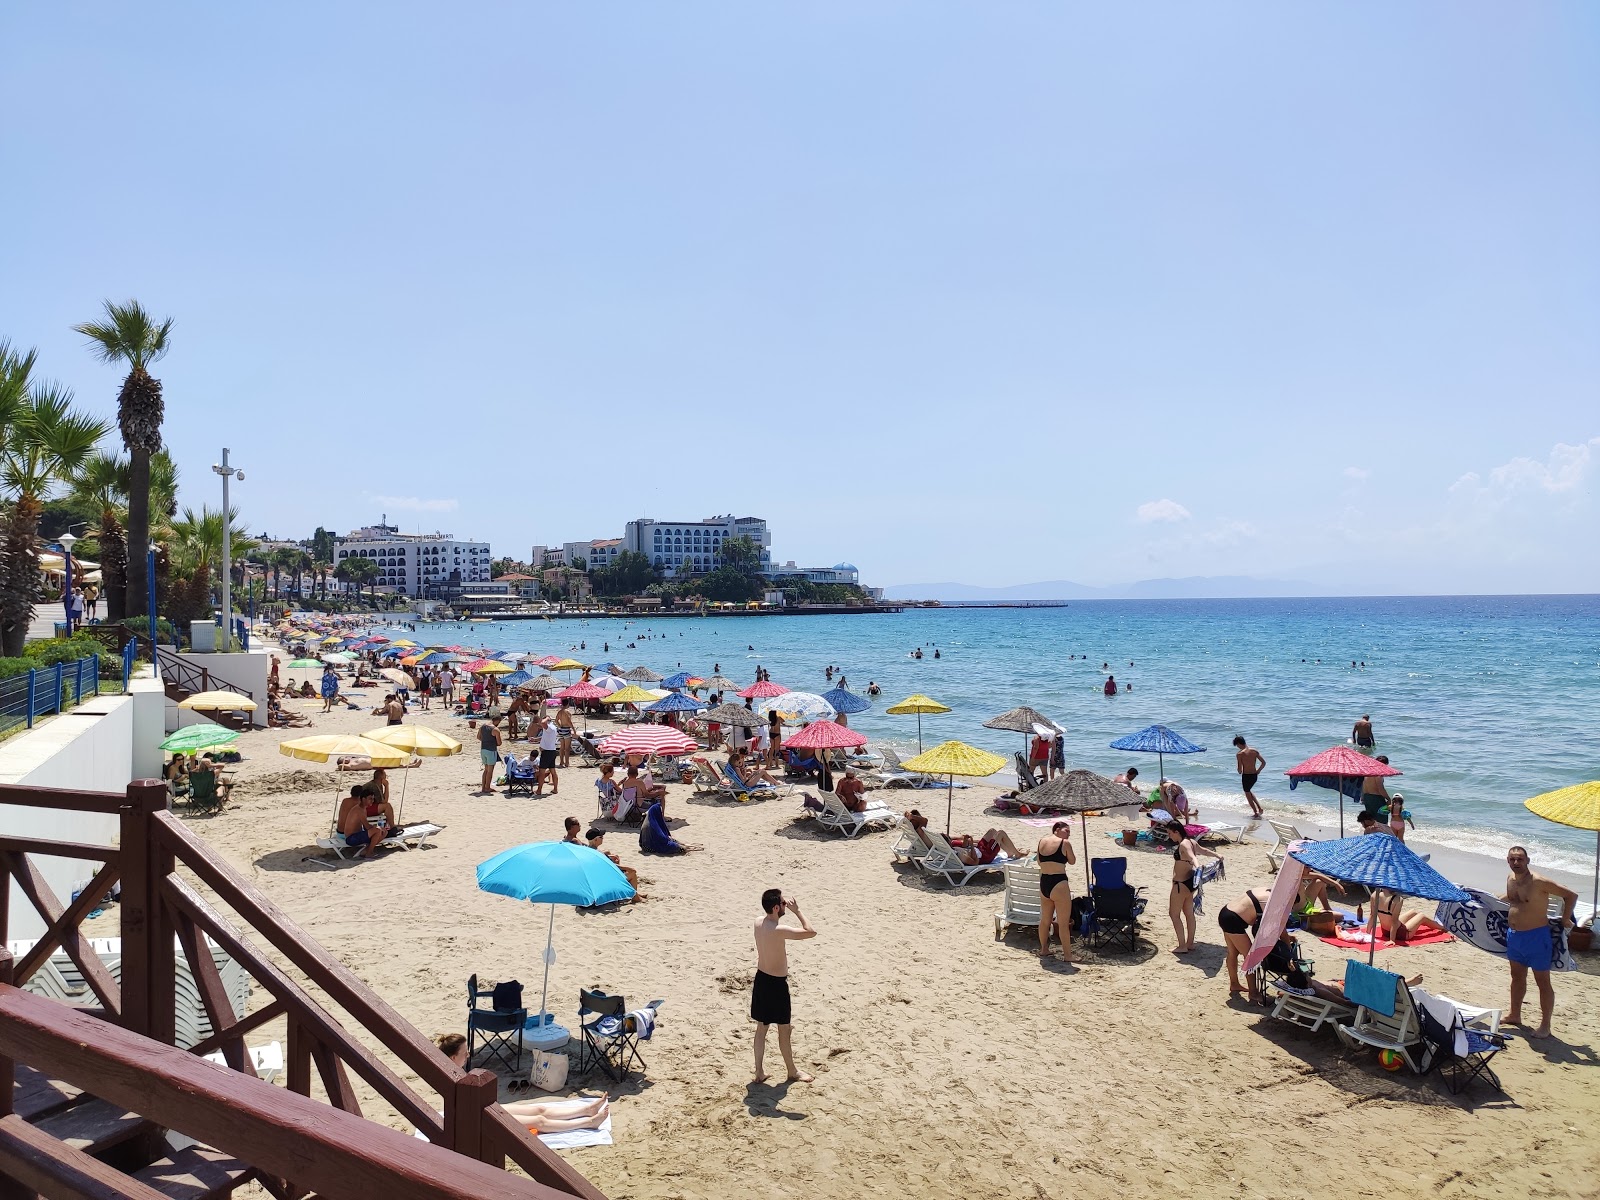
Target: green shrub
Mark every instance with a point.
(16, 666)
(46, 652)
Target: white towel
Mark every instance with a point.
(644, 1022)
(572, 1139)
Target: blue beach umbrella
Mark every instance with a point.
(1379, 861)
(675, 702)
(553, 873)
(846, 701)
(515, 680)
(674, 682)
(434, 658)
(1160, 741)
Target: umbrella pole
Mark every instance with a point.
(549, 957)
(1341, 806)
(1595, 902)
(1083, 823)
(949, 804)
(405, 777)
(919, 741)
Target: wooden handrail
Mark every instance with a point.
(275, 1130)
(27, 796)
(54, 1169)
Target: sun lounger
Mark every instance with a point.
(742, 791)
(412, 836)
(587, 751)
(942, 860)
(267, 1060)
(894, 772)
(708, 779)
(1386, 1017)
(1020, 903)
(1307, 1009)
(909, 846)
(1285, 834)
(835, 815)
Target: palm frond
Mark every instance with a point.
(129, 334)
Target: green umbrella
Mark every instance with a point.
(201, 736)
(304, 662)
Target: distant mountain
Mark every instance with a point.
(1197, 587)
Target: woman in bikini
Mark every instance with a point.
(1398, 925)
(1055, 892)
(1239, 922)
(1185, 869)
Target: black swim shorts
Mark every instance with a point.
(1248, 780)
(769, 999)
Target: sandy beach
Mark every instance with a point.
(947, 1064)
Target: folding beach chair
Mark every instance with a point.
(942, 860)
(207, 791)
(707, 778)
(520, 780)
(1026, 779)
(1460, 1051)
(1115, 905)
(587, 750)
(1386, 1018)
(742, 791)
(499, 1027)
(1019, 904)
(610, 1033)
(1285, 835)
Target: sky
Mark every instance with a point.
(972, 292)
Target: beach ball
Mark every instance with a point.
(1390, 1060)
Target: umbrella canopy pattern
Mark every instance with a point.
(1341, 769)
(649, 739)
(1157, 739)
(1019, 720)
(632, 694)
(1379, 862)
(825, 735)
(325, 746)
(582, 691)
(675, 702)
(641, 675)
(218, 702)
(733, 714)
(842, 700)
(545, 682)
(416, 739)
(609, 683)
(797, 707)
(199, 737)
(758, 691)
(1579, 807)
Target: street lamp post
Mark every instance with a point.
(228, 473)
(150, 577)
(67, 540)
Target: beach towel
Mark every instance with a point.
(574, 1139)
(1370, 987)
(1212, 870)
(1358, 940)
(1481, 922)
(1279, 906)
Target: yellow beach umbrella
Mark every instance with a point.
(416, 739)
(920, 704)
(491, 668)
(1579, 807)
(632, 694)
(952, 759)
(218, 702)
(402, 642)
(323, 747)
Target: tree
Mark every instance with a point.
(629, 573)
(320, 569)
(43, 441)
(101, 485)
(728, 583)
(358, 571)
(742, 554)
(322, 545)
(130, 335)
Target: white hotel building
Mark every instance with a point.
(409, 562)
(667, 544)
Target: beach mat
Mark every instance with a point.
(1428, 937)
(573, 1139)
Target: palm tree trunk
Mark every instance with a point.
(19, 572)
(138, 588)
(113, 567)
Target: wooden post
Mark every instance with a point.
(8, 1069)
(142, 915)
(465, 1130)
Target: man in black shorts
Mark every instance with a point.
(1249, 764)
(769, 996)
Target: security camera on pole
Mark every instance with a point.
(227, 472)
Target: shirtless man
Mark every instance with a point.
(769, 996)
(1530, 943)
(1249, 763)
(395, 710)
(1361, 734)
(365, 819)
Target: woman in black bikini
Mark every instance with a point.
(1055, 893)
(1239, 922)
(1185, 868)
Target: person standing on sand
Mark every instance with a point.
(1249, 764)
(769, 994)
(1530, 941)
(489, 753)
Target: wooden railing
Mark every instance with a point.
(161, 913)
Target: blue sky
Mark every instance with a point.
(973, 292)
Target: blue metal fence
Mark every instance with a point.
(46, 690)
(129, 653)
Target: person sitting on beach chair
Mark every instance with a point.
(970, 850)
(804, 765)
(610, 793)
(851, 791)
(749, 771)
(647, 788)
(366, 819)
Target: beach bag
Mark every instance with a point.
(549, 1073)
(507, 996)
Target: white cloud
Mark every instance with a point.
(1560, 474)
(1359, 474)
(1161, 510)
(415, 503)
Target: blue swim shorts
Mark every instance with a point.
(1533, 948)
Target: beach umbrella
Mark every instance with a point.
(721, 683)
(303, 662)
(406, 642)
(1340, 768)
(1160, 741)
(218, 702)
(842, 700)
(641, 675)
(1379, 861)
(570, 664)
(553, 873)
(608, 683)
(632, 694)
(920, 704)
(202, 736)
(1579, 807)
(545, 682)
(763, 689)
(675, 702)
(952, 759)
(324, 746)
(397, 676)
(338, 658)
(582, 690)
(417, 739)
(489, 666)
(548, 661)
(1021, 720)
(1082, 792)
(733, 714)
(435, 658)
(820, 737)
(797, 707)
(674, 682)
(516, 679)
(648, 739)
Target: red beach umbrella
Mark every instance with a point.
(1333, 767)
(766, 687)
(582, 690)
(825, 735)
(648, 739)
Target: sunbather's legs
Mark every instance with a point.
(1006, 844)
(557, 1109)
(542, 1124)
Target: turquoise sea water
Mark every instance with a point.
(1481, 701)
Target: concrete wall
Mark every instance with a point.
(100, 746)
(247, 670)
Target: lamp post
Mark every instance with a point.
(150, 577)
(67, 540)
(228, 473)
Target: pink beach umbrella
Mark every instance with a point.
(649, 739)
(766, 687)
(1335, 768)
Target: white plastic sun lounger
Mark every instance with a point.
(412, 836)
(835, 815)
(943, 860)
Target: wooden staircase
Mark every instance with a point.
(181, 679)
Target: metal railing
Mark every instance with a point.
(45, 691)
(130, 653)
(186, 676)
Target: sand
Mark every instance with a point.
(947, 1064)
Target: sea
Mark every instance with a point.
(1482, 702)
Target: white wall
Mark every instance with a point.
(247, 670)
(100, 746)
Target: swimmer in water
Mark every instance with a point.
(1110, 688)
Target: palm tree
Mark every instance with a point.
(196, 552)
(302, 564)
(101, 484)
(43, 440)
(130, 335)
(359, 571)
(320, 569)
